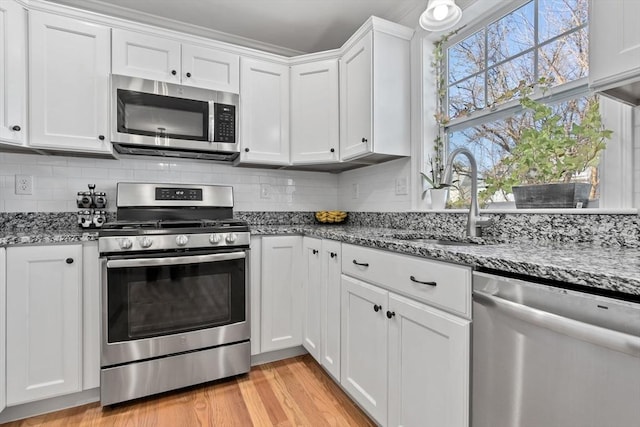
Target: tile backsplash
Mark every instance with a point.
(57, 179)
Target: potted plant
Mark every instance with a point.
(438, 190)
(541, 166)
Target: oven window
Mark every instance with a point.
(150, 301)
(162, 116)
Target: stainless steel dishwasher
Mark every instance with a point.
(544, 356)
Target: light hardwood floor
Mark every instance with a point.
(292, 392)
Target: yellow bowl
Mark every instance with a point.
(331, 217)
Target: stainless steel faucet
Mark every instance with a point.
(475, 222)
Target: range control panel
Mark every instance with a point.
(178, 193)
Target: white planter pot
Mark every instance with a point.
(438, 198)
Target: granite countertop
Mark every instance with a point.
(609, 268)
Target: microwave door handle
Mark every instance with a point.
(212, 120)
(153, 262)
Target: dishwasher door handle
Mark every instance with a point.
(614, 340)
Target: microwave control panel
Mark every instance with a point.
(224, 129)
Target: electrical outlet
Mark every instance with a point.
(402, 188)
(24, 184)
(265, 191)
(355, 191)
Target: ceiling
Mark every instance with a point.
(288, 27)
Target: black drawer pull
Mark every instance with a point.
(333, 255)
(69, 260)
(315, 251)
(363, 264)
(377, 307)
(413, 279)
(390, 314)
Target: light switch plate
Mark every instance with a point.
(402, 188)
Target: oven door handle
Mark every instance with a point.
(180, 260)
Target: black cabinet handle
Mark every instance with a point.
(69, 260)
(363, 264)
(333, 254)
(16, 128)
(390, 314)
(101, 137)
(315, 251)
(188, 74)
(377, 307)
(364, 139)
(174, 72)
(246, 150)
(413, 279)
(333, 150)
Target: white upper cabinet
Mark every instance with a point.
(614, 48)
(157, 58)
(315, 130)
(13, 71)
(69, 84)
(375, 93)
(264, 112)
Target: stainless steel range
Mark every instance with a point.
(175, 300)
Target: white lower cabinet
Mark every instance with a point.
(311, 294)
(281, 293)
(405, 361)
(330, 307)
(428, 366)
(44, 322)
(364, 346)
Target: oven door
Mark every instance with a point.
(157, 306)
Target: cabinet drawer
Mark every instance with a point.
(444, 285)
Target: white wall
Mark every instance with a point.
(376, 188)
(57, 179)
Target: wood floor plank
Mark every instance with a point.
(293, 392)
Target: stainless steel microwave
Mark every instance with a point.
(163, 119)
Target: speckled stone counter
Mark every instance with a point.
(43, 237)
(609, 268)
(597, 252)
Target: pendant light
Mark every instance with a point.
(440, 15)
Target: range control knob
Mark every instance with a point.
(215, 238)
(231, 237)
(182, 240)
(125, 243)
(146, 242)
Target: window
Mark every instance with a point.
(539, 49)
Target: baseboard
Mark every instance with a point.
(272, 356)
(53, 404)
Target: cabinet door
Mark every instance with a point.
(255, 268)
(210, 69)
(315, 132)
(356, 100)
(44, 322)
(330, 307)
(281, 315)
(311, 295)
(69, 84)
(264, 116)
(614, 38)
(428, 366)
(364, 346)
(145, 56)
(13, 71)
(90, 315)
(3, 329)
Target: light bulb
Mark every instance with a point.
(440, 12)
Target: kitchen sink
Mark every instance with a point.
(444, 242)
